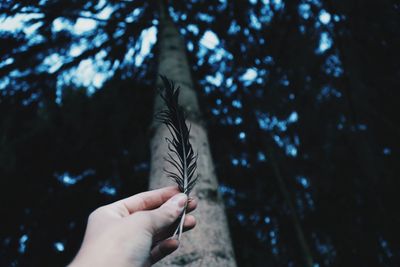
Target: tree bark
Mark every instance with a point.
(209, 244)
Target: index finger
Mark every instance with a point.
(148, 200)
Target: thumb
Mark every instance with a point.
(167, 213)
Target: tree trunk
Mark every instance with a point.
(306, 252)
(209, 244)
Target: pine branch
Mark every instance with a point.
(181, 155)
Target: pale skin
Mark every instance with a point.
(135, 231)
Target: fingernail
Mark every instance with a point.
(179, 200)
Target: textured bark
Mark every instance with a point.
(209, 244)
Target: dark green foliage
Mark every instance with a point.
(347, 208)
(104, 138)
(113, 36)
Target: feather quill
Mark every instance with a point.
(180, 151)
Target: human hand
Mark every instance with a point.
(134, 231)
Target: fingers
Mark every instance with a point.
(163, 249)
(164, 216)
(192, 205)
(147, 200)
(188, 224)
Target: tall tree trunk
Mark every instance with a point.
(306, 252)
(209, 244)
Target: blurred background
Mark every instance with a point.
(299, 97)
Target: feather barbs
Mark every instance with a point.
(180, 154)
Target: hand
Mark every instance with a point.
(134, 231)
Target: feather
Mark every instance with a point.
(180, 151)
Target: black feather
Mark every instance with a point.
(181, 155)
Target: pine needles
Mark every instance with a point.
(181, 155)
